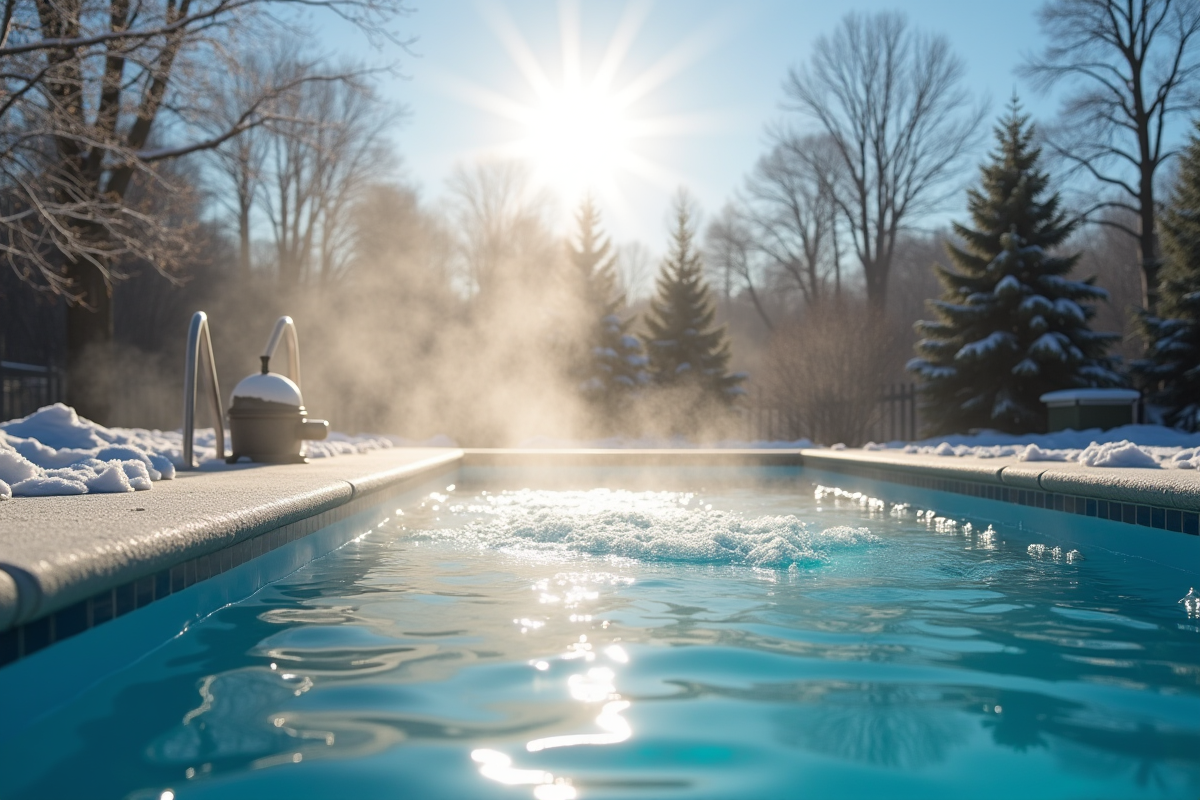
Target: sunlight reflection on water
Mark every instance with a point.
(595, 686)
(604, 644)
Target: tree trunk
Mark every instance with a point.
(1148, 252)
(90, 344)
(876, 280)
(243, 238)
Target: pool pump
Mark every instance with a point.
(267, 420)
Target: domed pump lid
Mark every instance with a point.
(269, 387)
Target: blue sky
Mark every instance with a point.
(713, 70)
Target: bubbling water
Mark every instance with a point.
(647, 526)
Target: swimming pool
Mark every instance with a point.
(727, 633)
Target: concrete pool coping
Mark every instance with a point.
(57, 553)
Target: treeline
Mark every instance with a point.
(474, 319)
(164, 163)
(824, 263)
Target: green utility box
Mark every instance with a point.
(1081, 409)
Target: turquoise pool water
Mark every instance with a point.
(729, 642)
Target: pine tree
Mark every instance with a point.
(1172, 363)
(608, 362)
(684, 346)
(1010, 325)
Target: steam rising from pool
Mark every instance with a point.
(648, 526)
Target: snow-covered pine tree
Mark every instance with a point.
(1010, 324)
(1171, 367)
(609, 362)
(684, 346)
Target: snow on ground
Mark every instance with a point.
(1148, 446)
(56, 452)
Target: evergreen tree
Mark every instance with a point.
(608, 362)
(1010, 324)
(684, 346)
(1172, 363)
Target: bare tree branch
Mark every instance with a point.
(890, 100)
(1129, 67)
(99, 96)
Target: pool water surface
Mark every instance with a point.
(773, 640)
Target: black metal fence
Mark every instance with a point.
(897, 416)
(894, 417)
(24, 388)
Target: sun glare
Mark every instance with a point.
(582, 130)
(577, 139)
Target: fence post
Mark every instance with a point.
(912, 394)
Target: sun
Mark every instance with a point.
(583, 129)
(577, 139)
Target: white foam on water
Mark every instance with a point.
(647, 526)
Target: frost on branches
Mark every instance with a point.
(1010, 324)
(1172, 364)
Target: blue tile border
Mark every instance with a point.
(30, 637)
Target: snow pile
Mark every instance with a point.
(1145, 446)
(54, 451)
(648, 526)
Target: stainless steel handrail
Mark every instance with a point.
(284, 324)
(198, 336)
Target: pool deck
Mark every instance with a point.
(1169, 488)
(57, 553)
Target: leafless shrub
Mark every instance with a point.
(824, 373)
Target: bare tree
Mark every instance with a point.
(501, 218)
(782, 234)
(890, 100)
(94, 94)
(731, 259)
(636, 266)
(1133, 66)
(1107, 252)
(241, 160)
(323, 151)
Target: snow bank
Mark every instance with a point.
(54, 451)
(1145, 446)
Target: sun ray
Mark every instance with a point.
(483, 98)
(518, 50)
(678, 125)
(675, 61)
(580, 129)
(627, 30)
(568, 34)
(651, 172)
